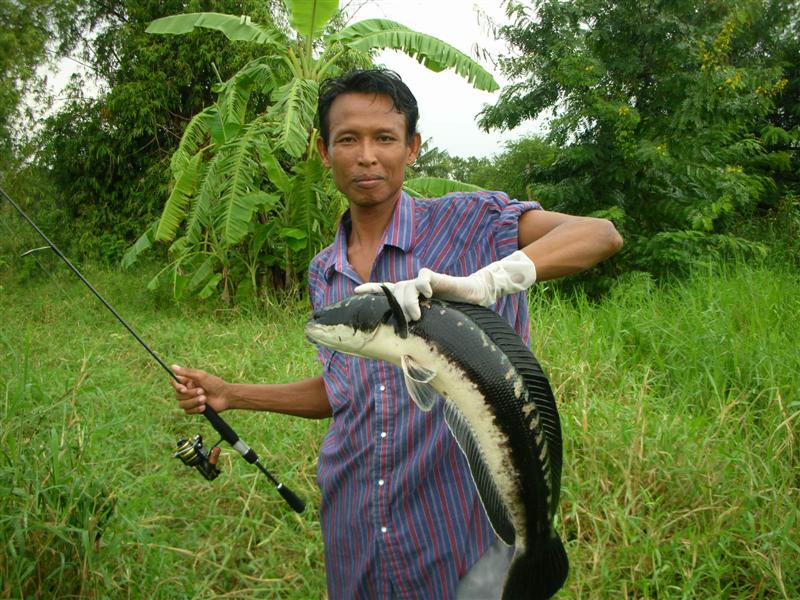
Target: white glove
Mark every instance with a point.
(512, 274)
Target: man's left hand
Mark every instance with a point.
(514, 273)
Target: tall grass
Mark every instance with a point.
(679, 405)
(681, 419)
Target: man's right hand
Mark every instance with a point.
(198, 388)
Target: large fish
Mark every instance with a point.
(497, 403)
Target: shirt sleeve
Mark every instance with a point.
(505, 224)
(481, 227)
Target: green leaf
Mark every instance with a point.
(179, 199)
(240, 214)
(294, 110)
(260, 236)
(309, 17)
(238, 29)
(234, 96)
(773, 136)
(203, 272)
(374, 34)
(434, 187)
(294, 238)
(144, 242)
(179, 282)
(238, 201)
(193, 139)
(612, 213)
(275, 171)
(210, 286)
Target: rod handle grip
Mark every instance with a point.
(291, 498)
(228, 434)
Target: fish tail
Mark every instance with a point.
(537, 574)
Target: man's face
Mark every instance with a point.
(367, 149)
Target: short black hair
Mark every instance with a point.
(368, 81)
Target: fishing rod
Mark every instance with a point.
(190, 451)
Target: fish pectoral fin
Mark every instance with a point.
(418, 380)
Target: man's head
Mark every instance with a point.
(368, 136)
(370, 81)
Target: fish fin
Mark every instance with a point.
(418, 380)
(487, 490)
(401, 323)
(539, 572)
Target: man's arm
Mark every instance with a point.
(560, 244)
(550, 245)
(306, 398)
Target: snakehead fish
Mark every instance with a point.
(497, 403)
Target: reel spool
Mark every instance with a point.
(193, 454)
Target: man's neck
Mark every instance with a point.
(367, 226)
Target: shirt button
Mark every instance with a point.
(383, 434)
(382, 388)
(381, 482)
(383, 530)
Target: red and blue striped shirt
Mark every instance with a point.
(400, 514)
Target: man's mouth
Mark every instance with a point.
(368, 181)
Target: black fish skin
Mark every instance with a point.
(490, 377)
(465, 334)
(542, 570)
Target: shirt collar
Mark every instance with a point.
(399, 233)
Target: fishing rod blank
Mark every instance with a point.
(222, 427)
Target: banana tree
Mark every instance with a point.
(249, 188)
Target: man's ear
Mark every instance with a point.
(323, 152)
(413, 149)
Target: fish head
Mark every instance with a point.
(359, 325)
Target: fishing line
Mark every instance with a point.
(190, 451)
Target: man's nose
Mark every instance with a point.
(366, 154)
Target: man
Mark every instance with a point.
(400, 514)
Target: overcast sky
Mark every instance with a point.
(448, 104)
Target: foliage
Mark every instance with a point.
(438, 163)
(661, 117)
(26, 27)
(513, 169)
(248, 186)
(107, 148)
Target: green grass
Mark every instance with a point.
(679, 405)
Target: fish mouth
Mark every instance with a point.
(343, 338)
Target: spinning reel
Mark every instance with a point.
(193, 454)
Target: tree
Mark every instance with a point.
(27, 27)
(248, 183)
(107, 152)
(659, 113)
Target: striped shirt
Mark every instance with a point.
(400, 514)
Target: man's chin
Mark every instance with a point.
(376, 198)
